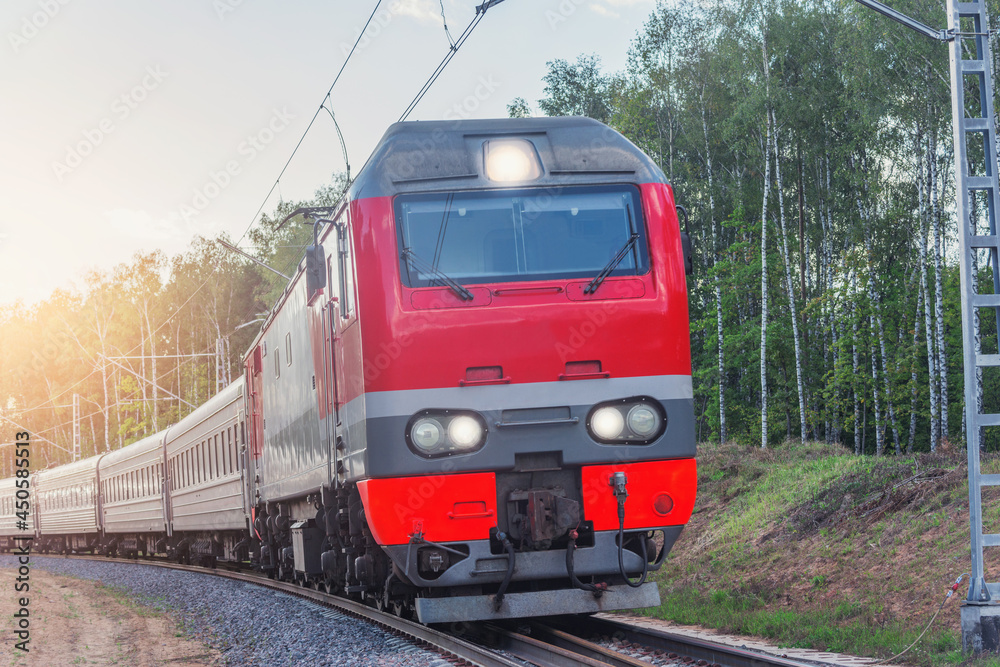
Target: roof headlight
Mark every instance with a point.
(607, 423)
(511, 160)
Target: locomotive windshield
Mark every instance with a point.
(520, 235)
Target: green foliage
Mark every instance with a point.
(519, 108)
(576, 90)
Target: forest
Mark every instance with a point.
(811, 144)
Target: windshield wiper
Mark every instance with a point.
(422, 266)
(612, 265)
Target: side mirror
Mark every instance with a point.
(315, 270)
(688, 254)
(686, 248)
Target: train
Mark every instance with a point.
(472, 401)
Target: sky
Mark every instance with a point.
(134, 126)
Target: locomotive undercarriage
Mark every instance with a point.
(541, 556)
(325, 543)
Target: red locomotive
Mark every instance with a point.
(475, 398)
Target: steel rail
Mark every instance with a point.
(698, 649)
(547, 647)
(542, 652)
(439, 641)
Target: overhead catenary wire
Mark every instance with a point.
(340, 135)
(311, 122)
(444, 20)
(469, 29)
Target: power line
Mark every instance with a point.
(480, 14)
(309, 127)
(444, 20)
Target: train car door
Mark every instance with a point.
(331, 337)
(255, 414)
(165, 495)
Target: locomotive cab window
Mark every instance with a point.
(521, 235)
(345, 276)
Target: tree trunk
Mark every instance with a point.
(834, 323)
(789, 285)
(924, 211)
(939, 289)
(763, 286)
(723, 436)
(913, 372)
(879, 435)
(858, 431)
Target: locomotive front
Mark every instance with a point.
(523, 444)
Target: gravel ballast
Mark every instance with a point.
(250, 624)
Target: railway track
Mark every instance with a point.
(570, 641)
(567, 641)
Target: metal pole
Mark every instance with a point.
(969, 59)
(76, 427)
(968, 32)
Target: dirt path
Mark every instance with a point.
(77, 622)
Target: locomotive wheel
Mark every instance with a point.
(402, 609)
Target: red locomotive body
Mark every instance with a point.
(500, 417)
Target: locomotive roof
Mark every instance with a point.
(423, 156)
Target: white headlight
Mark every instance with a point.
(427, 434)
(465, 431)
(607, 423)
(643, 420)
(509, 160)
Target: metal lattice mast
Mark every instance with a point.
(977, 190)
(977, 197)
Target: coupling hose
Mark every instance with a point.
(621, 547)
(597, 589)
(498, 598)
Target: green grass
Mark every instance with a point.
(850, 627)
(810, 546)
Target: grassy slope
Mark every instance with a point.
(810, 546)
